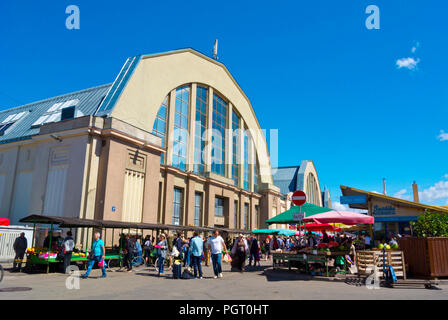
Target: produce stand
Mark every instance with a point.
(318, 218)
(48, 256)
(317, 257)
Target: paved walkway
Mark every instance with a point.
(254, 284)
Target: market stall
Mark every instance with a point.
(52, 255)
(49, 254)
(328, 257)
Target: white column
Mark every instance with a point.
(192, 127)
(170, 128)
(208, 144)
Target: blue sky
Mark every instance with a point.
(312, 70)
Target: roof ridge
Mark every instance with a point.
(286, 167)
(55, 97)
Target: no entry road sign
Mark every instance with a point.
(299, 198)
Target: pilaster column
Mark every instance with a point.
(192, 127)
(240, 156)
(229, 142)
(170, 129)
(208, 144)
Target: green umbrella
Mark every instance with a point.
(265, 231)
(308, 209)
(286, 232)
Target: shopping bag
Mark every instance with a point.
(102, 264)
(227, 258)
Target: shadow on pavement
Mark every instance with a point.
(285, 275)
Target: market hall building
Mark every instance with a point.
(304, 177)
(151, 147)
(392, 215)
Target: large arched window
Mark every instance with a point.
(312, 190)
(200, 128)
(199, 113)
(235, 146)
(160, 124)
(180, 129)
(219, 125)
(246, 161)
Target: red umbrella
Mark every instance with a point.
(4, 222)
(321, 227)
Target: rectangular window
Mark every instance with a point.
(219, 207)
(201, 126)
(197, 209)
(218, 136)
(53, 114)
(178, 206)
(246, 216)
(235, 214)
(246, 162)
(4, 127)
(180, 141)
(235, 145)
(256, 173)
(10, 120)
(159, 128)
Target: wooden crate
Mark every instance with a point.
(366, 260)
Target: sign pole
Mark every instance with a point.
(299, 199)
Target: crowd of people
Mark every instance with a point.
(192, 251)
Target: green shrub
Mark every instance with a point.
(431, 224)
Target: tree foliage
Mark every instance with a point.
(431, 224)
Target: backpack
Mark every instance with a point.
(69, 245)
(187, 274)
(275, 244)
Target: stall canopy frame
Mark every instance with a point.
(65, 222)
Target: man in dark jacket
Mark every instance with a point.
(20, 245)
(253, 251)
(68, 246)
(129, 248)
(179, 243)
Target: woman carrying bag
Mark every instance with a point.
(240, 250)
(162, 247)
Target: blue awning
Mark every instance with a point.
(396, 219)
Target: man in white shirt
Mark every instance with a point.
(216, 244)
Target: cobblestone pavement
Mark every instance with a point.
(254, 284)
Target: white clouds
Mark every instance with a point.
(436, 192)
(408, 63)
(446, 176)
(402, 195)
(443, 136)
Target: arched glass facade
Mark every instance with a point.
(160, 125)
(193, 115)
(312, 190)
(201, 126)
